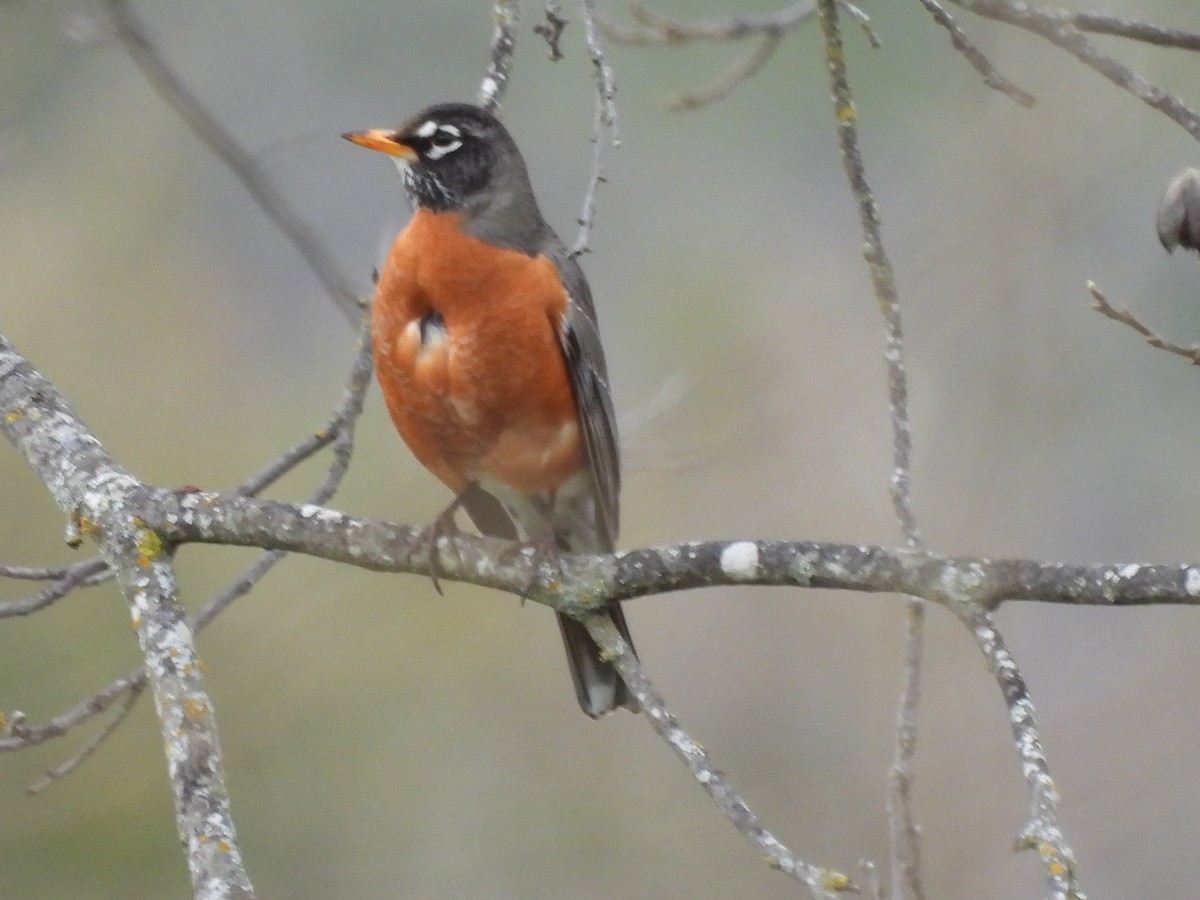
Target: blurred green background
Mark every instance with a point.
(382, 741)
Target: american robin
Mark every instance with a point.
(489, 357)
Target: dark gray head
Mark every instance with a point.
(456, 157)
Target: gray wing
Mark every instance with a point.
(580, 340)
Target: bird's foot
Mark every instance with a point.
(426, 540)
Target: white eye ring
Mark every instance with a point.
(447, 140)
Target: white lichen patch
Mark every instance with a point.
(803, 567)
(739, 561)
(1191, 582)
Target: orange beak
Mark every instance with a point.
(384, 141)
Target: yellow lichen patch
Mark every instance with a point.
(1057, 868)
(223, 845)
(149, 546)
(15, 415)
(835, 881)
(194, 709)
(846, 113)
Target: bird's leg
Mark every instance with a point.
(427, 539)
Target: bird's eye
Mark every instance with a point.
(445, 140)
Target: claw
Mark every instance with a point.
(427, 539)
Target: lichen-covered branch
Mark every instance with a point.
(88, 485)
(505, 15)
(904, 835)
(1042, 832)
(339, 431)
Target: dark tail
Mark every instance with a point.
(597, 685)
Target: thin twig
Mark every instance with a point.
(70, 765)
(505, 15)
(903, 831)
(656, 29)
(605, 128)
(28, 573)
(1098, 23)
(1059, 27)
(975, 57)
(863, 21)
(85, 573)
(735, 76)
(822, 883)
(1125, 317)
(208, 129)
(342, 423)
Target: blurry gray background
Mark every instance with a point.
(383, 741)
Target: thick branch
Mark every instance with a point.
(102, 497)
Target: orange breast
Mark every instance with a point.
(491, 396)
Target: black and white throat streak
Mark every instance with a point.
(425, 190)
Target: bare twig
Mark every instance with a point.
(863, 21)
(605, 129)
(1058, 27)
(735, 76)
(1098, 23)
(656, 29)
(974, 55)
(1125, 317)
(31, 735)
(170, 86)
(771, 27)
(29, 573)
(70, 765)
(822, 883)
(505, 14)
(85, 573)
(341, 425)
